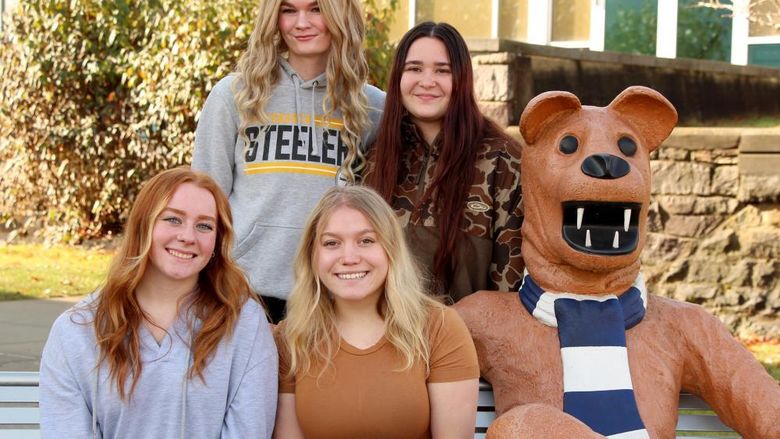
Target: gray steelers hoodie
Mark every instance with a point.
(274, 181)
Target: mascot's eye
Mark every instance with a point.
(568, 145)
(627, 146)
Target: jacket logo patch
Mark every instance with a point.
(477, 206)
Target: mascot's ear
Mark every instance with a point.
(651, 114)
(543, 109)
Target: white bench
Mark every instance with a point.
(19, 410)
(694, 417)
(19, 405)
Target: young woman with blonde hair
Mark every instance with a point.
(292, 121)
(175, 344)
(364, 351)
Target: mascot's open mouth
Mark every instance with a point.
(601, 228)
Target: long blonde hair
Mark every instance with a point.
(310, 332)
(346, 72)
(222, 287)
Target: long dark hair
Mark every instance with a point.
(463, 131)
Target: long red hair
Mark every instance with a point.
(222, 287)
(464, 129)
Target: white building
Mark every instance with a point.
(665, 28)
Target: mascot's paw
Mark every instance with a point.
(539, 421)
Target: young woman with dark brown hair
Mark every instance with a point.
(452, 175)
(174, 344)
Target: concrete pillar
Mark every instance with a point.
(666, 32)
(598, 24)
(539, 21)
(740, 31)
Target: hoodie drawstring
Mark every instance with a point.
(95, 401)
(316, 144)
(184, 386)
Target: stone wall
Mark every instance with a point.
(509, 73)
(715, 225)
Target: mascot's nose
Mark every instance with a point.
(606, 166)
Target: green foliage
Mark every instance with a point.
(98, 96)
(631, 27)
(379, 49)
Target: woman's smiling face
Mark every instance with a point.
(426, 82)
(184, 235)
(351, 262)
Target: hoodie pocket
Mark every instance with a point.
(266, 255)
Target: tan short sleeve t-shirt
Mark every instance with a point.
(365, 395)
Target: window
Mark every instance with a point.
(570, 20)
(513, 19)
(470, 17)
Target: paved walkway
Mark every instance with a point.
(24, 327)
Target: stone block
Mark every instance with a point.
(691, 225)
(726, 160)
(677, 204)
(725, 180)
(761, 243)
(760, 140)
(720, 242)
(655, 217)
(498, 112)
(660, 248)
(709, 271)
(680, 178)
(494, 58)
(702, 156)
(766, 275)
(676, 272)
(703, 138)
(715, 205)
(749, 216)
(771, 217)
(696, 293)
(759, 188)
(759, 164)
(739, 274)
(493, 83)
(675, 154)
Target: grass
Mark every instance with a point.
(768, 353)
(750, 121)
(35, 271)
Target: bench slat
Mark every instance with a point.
(18, 394)
(19, 415)
(486, 399)
(484, 419)
(20, 434)
(701, 423)
(692, 402)
(18, 379)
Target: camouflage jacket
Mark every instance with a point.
(489, 257)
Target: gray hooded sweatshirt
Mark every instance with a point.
(235, 400)
(274, 181)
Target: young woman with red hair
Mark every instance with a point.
(174, 344)
(452, 175)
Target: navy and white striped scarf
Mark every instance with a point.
(597, 386)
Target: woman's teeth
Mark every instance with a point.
(181, 255)
(351, 276)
